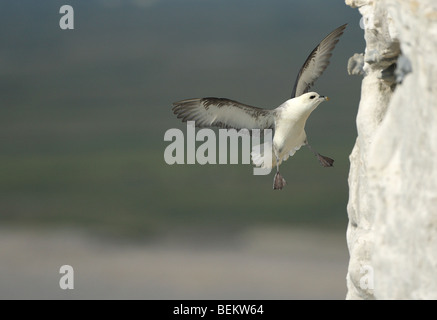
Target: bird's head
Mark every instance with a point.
(311, 100)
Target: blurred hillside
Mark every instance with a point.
(83, 112)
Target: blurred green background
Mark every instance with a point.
(83, 112)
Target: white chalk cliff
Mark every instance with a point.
(392, 231)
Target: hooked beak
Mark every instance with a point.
(325, 98)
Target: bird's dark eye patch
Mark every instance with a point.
(312, 97)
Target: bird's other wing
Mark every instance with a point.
(223, 113)
(316, 63)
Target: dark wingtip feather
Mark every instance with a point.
(334, 38)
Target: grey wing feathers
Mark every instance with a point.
(316, 63)
(223, 113)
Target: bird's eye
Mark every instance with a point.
(312, 97)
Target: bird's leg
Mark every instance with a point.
(324, 161)
(278, 181)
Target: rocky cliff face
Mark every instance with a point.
(392, 232)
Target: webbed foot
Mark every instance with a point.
(325, 161)
(278, 182)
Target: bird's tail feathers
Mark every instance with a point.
(262, 159)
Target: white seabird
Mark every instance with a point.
(288, 120)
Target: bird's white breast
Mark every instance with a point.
(289, 130)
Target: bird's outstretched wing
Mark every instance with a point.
(316, 63)
(223, 113)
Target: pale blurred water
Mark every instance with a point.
(271, 263)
